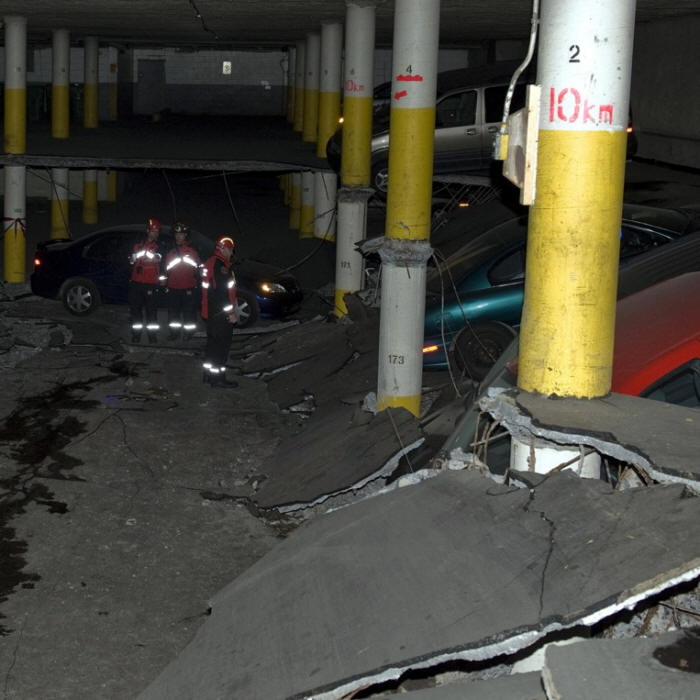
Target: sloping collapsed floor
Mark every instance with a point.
(449, 576)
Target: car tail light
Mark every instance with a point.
(430, 348)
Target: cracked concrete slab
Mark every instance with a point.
(660, 438)
(524, 686)
(453, 568)
(645, 669)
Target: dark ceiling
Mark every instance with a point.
(264, 24)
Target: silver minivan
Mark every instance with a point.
(466, 120)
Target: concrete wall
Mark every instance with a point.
(665, 97)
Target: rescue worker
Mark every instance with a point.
(145, 279)
(219, 310)
(182, 265)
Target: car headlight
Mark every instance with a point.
(271, 288)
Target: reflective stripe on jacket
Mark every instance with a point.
(145, 262)
(218, 287)
(182, 267)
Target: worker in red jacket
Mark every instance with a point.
(145, 279)
(182, 265)
(219, 309)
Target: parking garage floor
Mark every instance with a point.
(124, 480)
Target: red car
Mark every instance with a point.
(657, 342)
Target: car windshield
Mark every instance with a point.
(476, 252)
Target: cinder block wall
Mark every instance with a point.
(665, 98)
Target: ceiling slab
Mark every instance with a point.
(263, 23)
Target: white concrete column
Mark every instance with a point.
(15, 84)
(299, 72)
(311, 85)
(407, 247)
(325, 197)
(59, 203)
(15, 222)
(329, 95)
(306, 224)
(295, 201)
(90, 196)
(112, 55)
(291, 82)
(90, 86)
(358, 93)
(349, 263)
(60, 86)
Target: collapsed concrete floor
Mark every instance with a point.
(132, 493)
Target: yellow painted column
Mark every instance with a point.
(291, 79)
(15, 140)
(90, 86)
(111, 186)
(15, 223)
(358, 88)
(299, 73)
(306, 224)
(60, 86)
(406, 248)
(90, 196)
(59, 203)
(112, 84)
(568, 321)
(311, 85)
(329, 96)
(295, 201)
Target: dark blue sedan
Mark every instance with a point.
(95, 269)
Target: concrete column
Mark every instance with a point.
(299, 71)
(15, 84)
(15, 222)
(90, 196)
(59, 203)
(60, 86)
(584, 63)
(325, 196)
(404, 256)
(311, 85)
(295, 201)
(349, 263)
(329, 96)
(113, 85)
(291, 82)
(90, 102)
(111, 186)
(358, 89)
(306, 226)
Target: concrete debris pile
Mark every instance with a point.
(457, 572)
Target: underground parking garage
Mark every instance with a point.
(165, 538)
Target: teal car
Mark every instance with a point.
(481, 286)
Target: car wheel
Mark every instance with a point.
(477, 347)
(248, 309)
(80, 296)
(380, 179)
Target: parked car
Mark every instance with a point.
(468, 112)
(480, 287)
(656, 356)
(95, 269)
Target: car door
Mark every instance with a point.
(106, 263)
(457, 132)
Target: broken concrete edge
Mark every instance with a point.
(502, 405)
(397, 251)
(505, 647)
(385, 470)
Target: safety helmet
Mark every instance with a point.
(225, 242)
(153, 225)
(179, 227)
